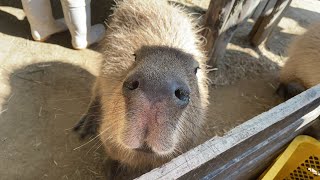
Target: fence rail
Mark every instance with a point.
(245, 151)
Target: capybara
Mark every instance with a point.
(150, 99)
(302, 69)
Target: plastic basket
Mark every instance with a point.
(300, 161)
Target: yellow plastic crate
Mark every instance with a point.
(300, 161)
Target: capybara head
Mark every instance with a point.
(156, 108)
(158, 91)
(153, 83)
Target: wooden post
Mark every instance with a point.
(248, 149)
(257, 12)
(215, 19)
(269, 18)
(221, 21)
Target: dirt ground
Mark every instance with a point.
(45, 88)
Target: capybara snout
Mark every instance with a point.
(173, 89)
(156, 78)
(157, 91)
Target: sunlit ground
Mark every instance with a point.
(45, 88)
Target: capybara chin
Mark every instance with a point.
(151, 94)
(302, 69)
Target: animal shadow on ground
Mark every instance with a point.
(45, 102)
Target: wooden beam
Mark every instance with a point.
(269, 19)
(214, 22)
(221, 21)
(245, 151)
(257, 12)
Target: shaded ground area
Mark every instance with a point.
(45, 88)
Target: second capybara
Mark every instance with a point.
(302, 69)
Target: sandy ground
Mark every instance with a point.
(45, 88)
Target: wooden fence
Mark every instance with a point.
(248, 149)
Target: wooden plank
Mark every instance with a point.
(248, 9)
(245, 151)
(269, 18)
(215, 19)
(249, 163)
(257, 12)
(268, 8)
(221, 21)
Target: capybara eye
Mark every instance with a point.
(196, 70)
(182, 95)
(131, 85)
(134, 55)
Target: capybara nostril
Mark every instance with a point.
(183, 96)
(131, 84)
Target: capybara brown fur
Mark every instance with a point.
(302, 69)
(152, 90)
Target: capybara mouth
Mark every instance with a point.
(145, 148)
